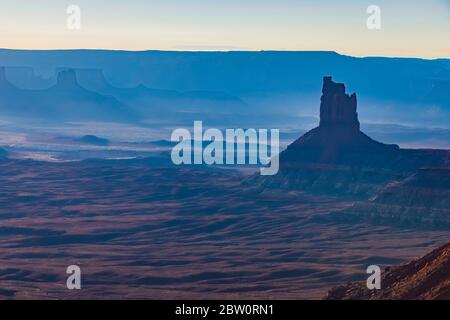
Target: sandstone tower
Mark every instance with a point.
(338, 138)
(337, 109)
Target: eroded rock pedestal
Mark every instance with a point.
(337, 109)
(336, 157)
(338, 138)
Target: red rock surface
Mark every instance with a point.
(426, 278)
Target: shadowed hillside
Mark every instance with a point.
(425, 278)
(422, 200)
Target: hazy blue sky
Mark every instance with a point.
(409, 28)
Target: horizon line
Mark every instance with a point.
(232, 51)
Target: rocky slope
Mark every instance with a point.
(420, 201)
(425, 278)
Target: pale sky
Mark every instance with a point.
(414, 28)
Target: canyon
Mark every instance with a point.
(142, 228)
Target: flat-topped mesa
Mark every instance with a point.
(67, 78)
(337, 109)
(93, 76)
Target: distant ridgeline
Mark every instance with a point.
(85, 95)
(151, 84)
(407, 186)
(65, 100)
(238, 72)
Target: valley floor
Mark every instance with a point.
(143, 232)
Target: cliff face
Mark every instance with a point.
(66, 80)
(400, 187)
(337, 109)
(338, 134)
(420, 201)
(336, 157)
(424, 279)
